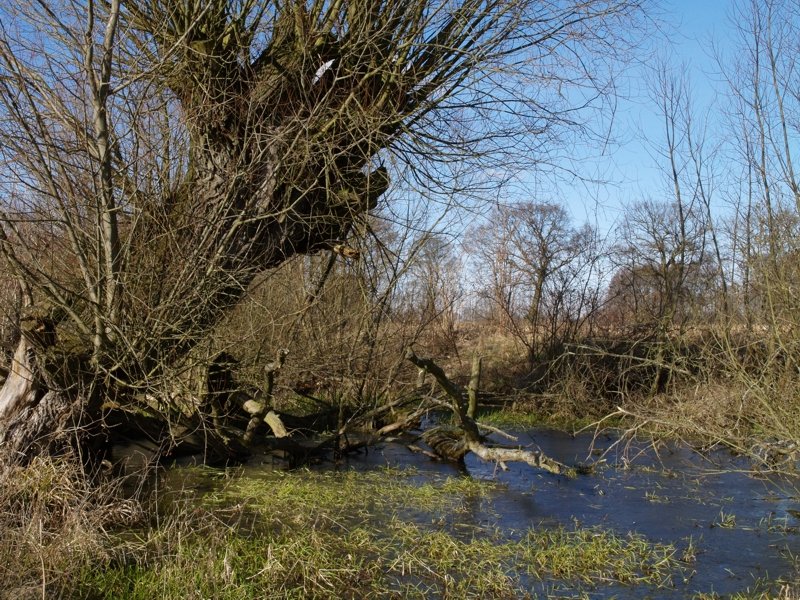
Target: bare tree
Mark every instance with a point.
(660, 264)
(158, 156)
(685, 264)
(540, 268)
(662, 255)
(763, 80)
(432, 292)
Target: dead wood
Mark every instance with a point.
(258, 406)
(404, 423)
(454, 391)
(450, 444)
(534, 458)
(445, 443)
(360, 419)
(274, 421)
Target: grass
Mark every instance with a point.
(761, 591)
(388, 533)
(526, 417)
(655, 498)
(399, 559)
(54, 523)
(350, 492)
(379, 534)
(725, 520)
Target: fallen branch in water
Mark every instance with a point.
(472, 440)
(534, 458)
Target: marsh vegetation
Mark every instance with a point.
(395, 524)
(287, 234)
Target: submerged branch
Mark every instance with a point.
(472, 440)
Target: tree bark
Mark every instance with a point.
(43, 414)
(50, 425)
(474, 386)
(19, 390)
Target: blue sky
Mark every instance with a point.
(630, 166)
(598, 182)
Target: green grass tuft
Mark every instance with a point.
(361, 535)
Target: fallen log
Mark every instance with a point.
(472, 440)
(447, 443)
(274, 421)
(534, 458)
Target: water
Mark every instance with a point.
(742, 527)
(671, 496)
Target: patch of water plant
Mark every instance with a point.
(375, 534)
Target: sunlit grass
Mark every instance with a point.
(527, 418)
(367, 535)
(401, 559)
(350, 494)
(725, 520)
(762, 590)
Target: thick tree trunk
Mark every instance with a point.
(52, 407)
(36, 418)
(19, 389)
(50, 425)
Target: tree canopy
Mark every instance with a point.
(158, 155)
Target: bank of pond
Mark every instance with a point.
(649, 521)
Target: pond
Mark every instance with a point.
(743, 527)
(734, 531)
